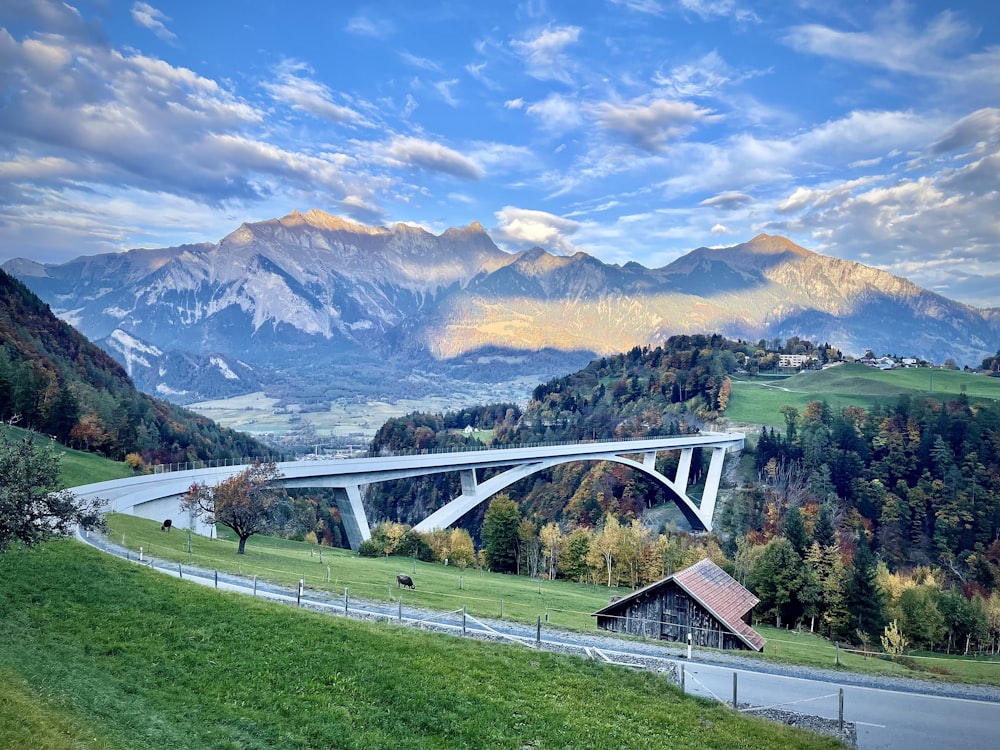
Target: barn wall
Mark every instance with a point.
(669, 614)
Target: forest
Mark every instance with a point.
(841, 523)
(54, 381)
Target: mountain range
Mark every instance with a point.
(313, 295)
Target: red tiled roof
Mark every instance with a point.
(716, 591)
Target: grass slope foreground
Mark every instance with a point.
(99, 653)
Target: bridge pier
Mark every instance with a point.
(352, 513)
(683, 468)
(712, 481)
(469, 484)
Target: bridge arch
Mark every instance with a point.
(481, 492)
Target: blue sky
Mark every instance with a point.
(627, 129)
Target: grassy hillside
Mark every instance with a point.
(559, 603)
(99, 653)
(757, 401)
(77, 467)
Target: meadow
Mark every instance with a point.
(758, 400)
(96, 652)
(560, 603)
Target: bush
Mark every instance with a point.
(413, 544)
(369, 548)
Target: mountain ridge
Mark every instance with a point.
(311, 289)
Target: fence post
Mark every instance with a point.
(463, 619)
(682, 678)
(327, 573)
(838, 653)
(501, 599)
(840, 712)
(735, 704)
(298, 599)
(399, 610)
(538, 633)
(347, 598)
(180, 573)
(216, 579)
(255, 584)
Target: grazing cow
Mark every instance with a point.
(166, 525)
(404, 580)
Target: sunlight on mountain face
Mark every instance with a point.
(314, 290)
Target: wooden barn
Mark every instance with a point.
(702, 600)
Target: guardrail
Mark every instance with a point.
(246, 460)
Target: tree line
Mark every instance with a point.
(54, 381)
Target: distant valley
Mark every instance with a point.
(316, 312)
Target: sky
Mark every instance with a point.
(632, 130)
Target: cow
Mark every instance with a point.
(404, 580)
(166, 525)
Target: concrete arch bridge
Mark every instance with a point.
(157, 496)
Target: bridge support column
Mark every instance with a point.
(683, 468)
(712, 481)
(649, 460)
(352, 513)
(469, 484)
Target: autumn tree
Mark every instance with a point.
(32, 508)
(552, 539)
(461, 550)
(248, 502)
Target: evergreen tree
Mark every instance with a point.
(863, 597)
(795, 531)
(500, 534)
(823, 532)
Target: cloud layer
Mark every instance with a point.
(629, 129)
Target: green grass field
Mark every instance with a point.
(757, 400)
(522, 599)
(77, 467)
(96, 652)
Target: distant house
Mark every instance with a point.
(702, 600)
(794, 360)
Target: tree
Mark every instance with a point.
(776, 579)
(248, 502)
(500, 534)
(461, 550)
(606, 546)
(795, 531)
(32, 509)
(863, 597)
(552, 540)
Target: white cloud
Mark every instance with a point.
(364, 25)
(418, 153)
(149, 17)
(443, 89)
(650, 126)
(544, 54)
(525, 226)
(709, 10)
(556, 113)
(728, 200)
(294, 88)
(652, 7)
(419, 62)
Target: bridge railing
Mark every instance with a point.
(246, 460)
